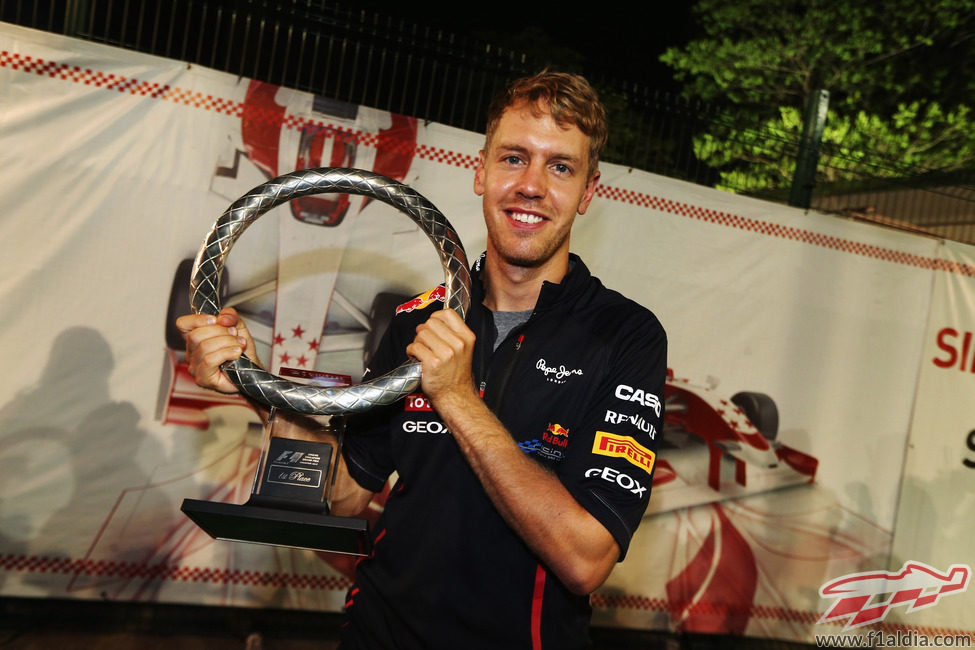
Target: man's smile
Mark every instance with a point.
(524, 217)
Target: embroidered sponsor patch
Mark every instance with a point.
(556, 374)
(610, 444)
(417, 402)
(438, 293)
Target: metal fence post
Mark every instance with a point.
(75, 18)
(813, 123)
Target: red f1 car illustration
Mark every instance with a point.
(717, 447)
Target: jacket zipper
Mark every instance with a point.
(501, 375)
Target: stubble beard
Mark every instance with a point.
(529, 259)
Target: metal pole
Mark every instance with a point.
(75, 18)
(814, 121)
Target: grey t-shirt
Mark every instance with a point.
(505, 321)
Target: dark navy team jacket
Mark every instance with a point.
(580, 388)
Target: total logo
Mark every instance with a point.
(417, 402)
(620, 479)
(640, 396)
(423, 426)
(613, 417)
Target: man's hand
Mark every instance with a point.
(569, 540)
(212, 341)
(444, 345)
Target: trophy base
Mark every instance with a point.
(279, 527)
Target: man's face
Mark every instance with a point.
(533, 177)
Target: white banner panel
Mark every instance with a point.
(795, 343)
(937, 499)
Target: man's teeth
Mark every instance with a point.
(526, 218)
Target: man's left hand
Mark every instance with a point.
(444, 345)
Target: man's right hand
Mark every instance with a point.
(212, 341)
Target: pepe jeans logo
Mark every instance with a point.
(868, 597)
(556, 375)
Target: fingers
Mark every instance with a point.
(444, 346)
(212, 341)
(227, 317)
(441, 337)
(234, 322)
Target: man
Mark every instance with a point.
(526, 465)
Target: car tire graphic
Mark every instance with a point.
(760, 410)
(380, 315)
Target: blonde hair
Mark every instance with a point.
(569, 99)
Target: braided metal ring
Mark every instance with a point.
(259, 384)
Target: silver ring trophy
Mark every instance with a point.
(291, 496)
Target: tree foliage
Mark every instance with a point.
(897, 72)
(917, 137)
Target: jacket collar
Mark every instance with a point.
(572, 285)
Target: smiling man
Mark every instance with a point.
(521, 472)
(534, 176)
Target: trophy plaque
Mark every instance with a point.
(289, 503)
(290, 500)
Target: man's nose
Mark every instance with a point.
(533, 182)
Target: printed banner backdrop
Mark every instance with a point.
(937, 501)
(115, 166)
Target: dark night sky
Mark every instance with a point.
(619, 43)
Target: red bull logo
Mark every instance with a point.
(558, 430)
(424, 299)
(557, 435)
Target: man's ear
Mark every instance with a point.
(589, 193)
(479, 174)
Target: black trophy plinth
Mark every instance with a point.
(289, 503)
(279, 527)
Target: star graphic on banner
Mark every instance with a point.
(302, 361)
(278, 339)
(738, 421)
(313, 345)
(285, 358)
(297, 331)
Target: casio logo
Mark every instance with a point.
(640, 396)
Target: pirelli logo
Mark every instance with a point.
(610, 444)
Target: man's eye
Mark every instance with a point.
(561, 168)
(512, 160)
